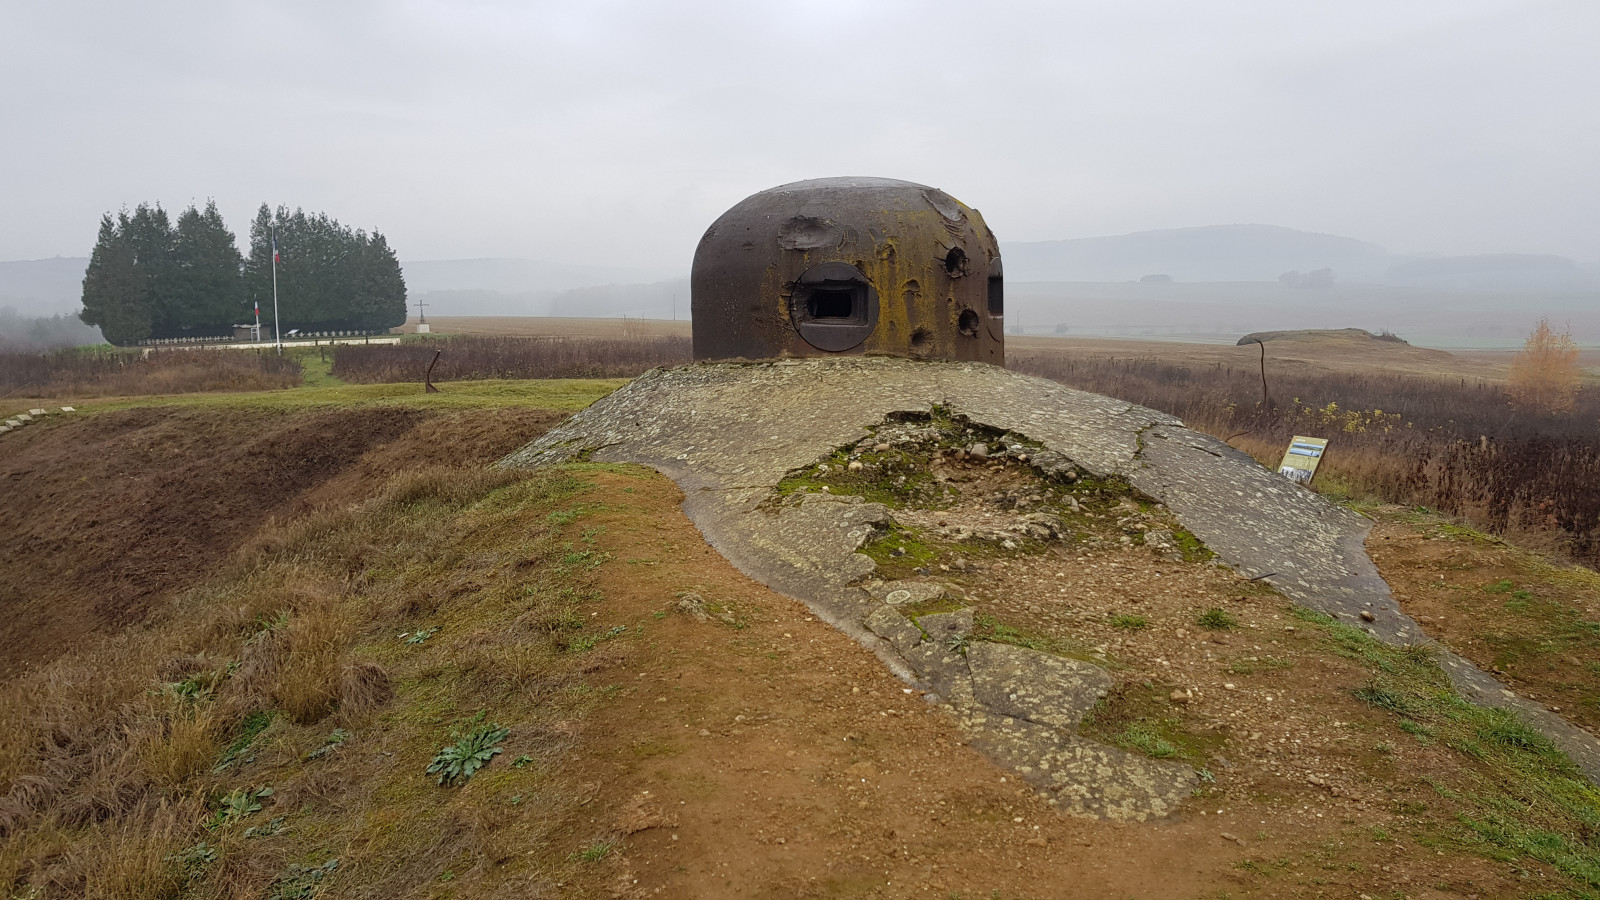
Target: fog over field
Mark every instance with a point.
(523, 158)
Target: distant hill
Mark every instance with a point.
(43, 287)
(1503, 271)
(1212, 253)
(536, 287)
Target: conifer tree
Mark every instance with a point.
(205, 296)
(150, 278)
(113, 289)
(330, 276)
(149, 234)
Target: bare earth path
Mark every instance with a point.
(777, 757)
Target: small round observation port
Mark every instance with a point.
(955, 262)
(967, 323)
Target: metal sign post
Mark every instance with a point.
(277, 330)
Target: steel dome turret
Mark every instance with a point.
(849, 266)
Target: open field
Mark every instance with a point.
(1283, 357)
(552, 326)
(324, 646)
(1488, 364)
(247, 623)
(1409, 426)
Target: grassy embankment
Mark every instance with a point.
(283, 715)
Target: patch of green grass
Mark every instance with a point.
(1422, 733)
(252, 725)
(1546, 631)
(1462, 532)
(1141, 717)
(316, 366)
(1516, 792)
(597, 851)
(561, 394)
(1144, 738)
(1503, 586)
(988, 628)
(1216, 619)
(1129, 622)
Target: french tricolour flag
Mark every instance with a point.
(275, 258)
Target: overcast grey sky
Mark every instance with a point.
(614, 132)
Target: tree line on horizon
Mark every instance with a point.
(150, 277)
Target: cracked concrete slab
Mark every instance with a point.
(728, 433)
(1086, 777)
(1038, 687)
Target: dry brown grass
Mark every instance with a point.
(476, 357)
(364, 688)
(132, 858)
(554, 326)
(1455, 445)
(177, 742)
(122, 373)
(111, 758)
(306, 684)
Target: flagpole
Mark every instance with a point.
(277, 330)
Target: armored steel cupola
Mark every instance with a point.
(849, 265)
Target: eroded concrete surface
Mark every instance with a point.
(728, 433)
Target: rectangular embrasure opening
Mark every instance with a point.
(832, 303)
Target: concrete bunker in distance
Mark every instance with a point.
(849, 266)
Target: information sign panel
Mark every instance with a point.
(1300, 461)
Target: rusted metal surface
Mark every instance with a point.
(849, 266)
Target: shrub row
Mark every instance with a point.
(115, 373)
(470, 357)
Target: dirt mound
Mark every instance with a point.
(104, 514)
(1360, 335)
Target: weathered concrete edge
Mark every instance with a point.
(1160, 439)
(1393, 627)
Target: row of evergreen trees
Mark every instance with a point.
(149, 278)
